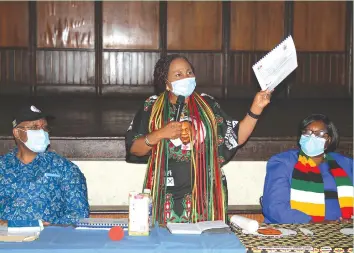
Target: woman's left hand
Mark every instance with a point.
(261, 100)
(345, 221)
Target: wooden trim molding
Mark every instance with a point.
(113, 148)
(249, 211)
(257, 217)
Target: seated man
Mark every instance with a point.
(312, 184)
(36, 184)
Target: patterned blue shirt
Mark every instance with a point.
(50, 188)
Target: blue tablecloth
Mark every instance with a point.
(69, 240)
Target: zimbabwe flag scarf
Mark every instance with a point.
(307, 190)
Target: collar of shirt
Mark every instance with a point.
(18, 163)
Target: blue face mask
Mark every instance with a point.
(312, 145)
(184, 87)
(37, 140)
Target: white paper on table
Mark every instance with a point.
(24, 236)
(273, 68)
(195, 228)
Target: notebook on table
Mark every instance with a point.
(102, 223)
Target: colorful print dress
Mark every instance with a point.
(177, 205)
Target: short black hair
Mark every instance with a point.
(330, 127)
(161, 70)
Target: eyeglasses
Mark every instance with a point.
(319, 133)
(45, 128)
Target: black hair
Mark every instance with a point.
(330, 127)
(161, 70)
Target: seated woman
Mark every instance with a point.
(185, 156)
(312, 184)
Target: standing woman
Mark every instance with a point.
(186, 179)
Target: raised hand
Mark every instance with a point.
(260, 101)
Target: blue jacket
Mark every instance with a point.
(276, 192)
(50, 188)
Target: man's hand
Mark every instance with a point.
(45, 223)
(3, 223)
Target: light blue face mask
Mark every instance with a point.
(37, 140)
(312, 145)
(184, 87)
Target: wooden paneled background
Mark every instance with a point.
(65, 24)
(194, 25)
(256, 26)
(13, 24)
(131, 25)
(111, 47)
(320, 26)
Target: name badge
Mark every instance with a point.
(170, 181)
(51, 175)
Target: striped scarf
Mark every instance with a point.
(208, 197)
(307, 189)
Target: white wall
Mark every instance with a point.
(109, 182)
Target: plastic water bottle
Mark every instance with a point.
(148, 192)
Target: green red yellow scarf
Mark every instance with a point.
(307, 189)
(208, 196)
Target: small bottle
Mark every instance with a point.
(148, 192)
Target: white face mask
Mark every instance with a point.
(312, 145)
(37, 140)
(184, 87)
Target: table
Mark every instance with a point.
(70, 240)
(327, 238)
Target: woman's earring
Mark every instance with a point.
(167, 87)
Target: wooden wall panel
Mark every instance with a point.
(320, 74)
(65, 24)
(129, 68)
(66, 67)
(14, 24)
(319, 26)
(321, 68)
(131, 25)
(194, 25)
(243, 82)
(256, 25)
(14, 67)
